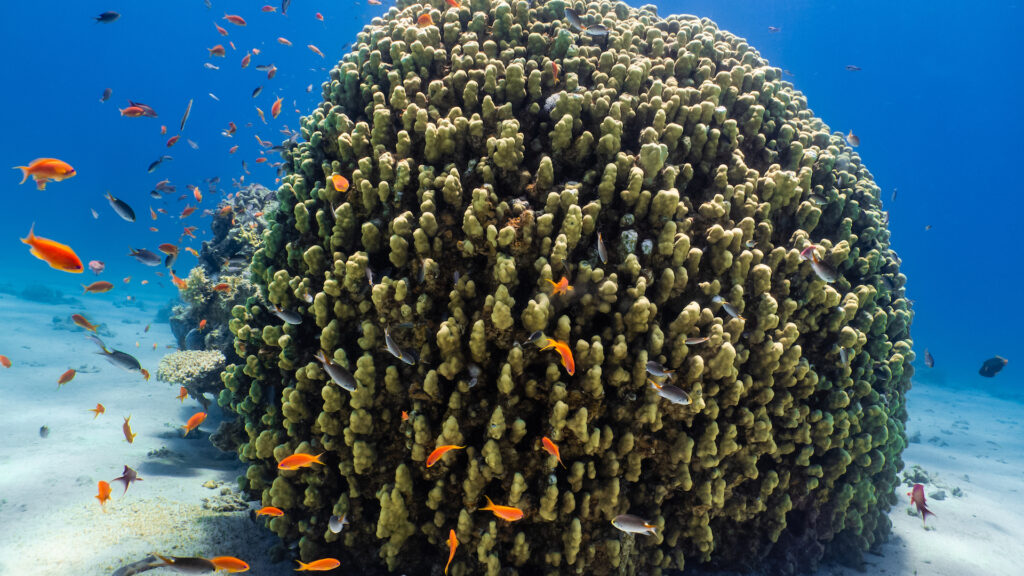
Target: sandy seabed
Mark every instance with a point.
(52, 525)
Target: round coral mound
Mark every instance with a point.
(720, 243)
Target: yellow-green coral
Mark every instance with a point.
(186, 366)
(494, 150)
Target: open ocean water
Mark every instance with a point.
(935, 99)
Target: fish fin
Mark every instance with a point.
(24, 173)
(490, 505)
(41, 183)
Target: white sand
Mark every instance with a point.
(50, 521)
(51, 524)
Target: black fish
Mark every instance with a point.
(574, 20)
(256, 91)
(123, 210)
(146, 257)
(992, 366)
(929, 361)
(107, 17)
(188, 110)
(44, 431)
(284, 6)
(106, 95)
(853, 68)
(155, 194)
(157, 162)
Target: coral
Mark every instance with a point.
(198, 371)
(492, 152)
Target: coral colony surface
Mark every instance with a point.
(456, 165)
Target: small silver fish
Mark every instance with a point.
(634, 524)
(121, 207)
(596, 31)
(574, 20)
(852, 139)
(602, 252)
(474, 374)
(289, 316)
(337, 523)
(818, 199)
(657, 370)
(146, 257)
(188, 110)
(673, 394)
(844, 356)
(369, 276)
(339, 375)
(212, 95)
(209, 66)
(697, 340)
(729, 308)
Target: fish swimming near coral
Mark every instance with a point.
(58, 256)
(992, 366)
(929, 360)
(194, 422)
(145, 256)
(296, 461)
(729, 308)
(560, 287)
(673, 394)
(565, 353)
(270, 511)
(288, 316)
(118, 358)
(321, 565)
(338, 374)
(337, 523)
(507, 513)
(634, 524)
(551, 448)
(453, 543)
(229, 564)
(439, 452)
(918, 500)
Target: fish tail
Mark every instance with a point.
(24, 173)
(490, 505)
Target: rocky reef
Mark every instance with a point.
(197, 370)
(456, 165)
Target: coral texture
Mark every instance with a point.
(197, 370)
(493, 150)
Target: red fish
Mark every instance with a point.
(917, 499)
(551, 448)
(5, 361)
(565, 352)
(315, 50)
(233, 149)
(173, 140)
(135, 111)
(454, 3)
(561, 287)
(236, 20)
(182, 394)
(508, 513)
(424, 20)
(268, 8)
(104, 494)
(217, 51)
(202, 324)
(58, 256)
(296, 461)
(321, 565)
(187, 211)
(319, 16)
(222, 31)
(194, 422)
(65, 378)
(275, 108)
(44, 170)
(246, 59)
(453, 543)
(441, 451)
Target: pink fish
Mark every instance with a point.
(917, 499)
(96, 266)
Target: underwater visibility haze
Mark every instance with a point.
(510, 287)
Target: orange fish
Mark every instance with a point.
(202, 324)
(80, 321)
(197, 194)
(220, 30)
(65, 378)
(562, 287)
(405, 416)
(222, 287)
(127, 429)
(321, 565)
(5, 361)
(136, 111)
(154, 229)
(261, 160)
(236, 20)
(187, 211)
(440, 451)
(58, 256)
(424, 20)
(296, 461)
(104, 494)
(217, 51)
(554, 71)
(98, 287)
(340, 182)
(43, 170)
(269, 8)
(271, 72)
(508, 513)
(144, 282)
(173, 140)
(182, 393)
(229, 563)
(454, 3)
(259, 112)
(189, 230)
(194, 422)
(163, 130)
(315, 50)
(256, 51)
(246, 59)
(275, 108)
(270, 511)
(192, 251)
(99, 409)
(178, 282)
(453, 541)
(152, 214)
(127, 279)
(168, 248)
(563, 350)
(284, 41)
(551, 448)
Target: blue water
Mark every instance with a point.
(936, 106)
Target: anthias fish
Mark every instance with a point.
(918, 500)
(507, 513)
(453, 541)
(321, 565)
(634, 524)
(58, 256)
(929, 360)
(337, 523)
(439, 452)
(44, 170)
(128, 477)
(296, 461)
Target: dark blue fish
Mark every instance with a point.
(992, 366)
(107, 17)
